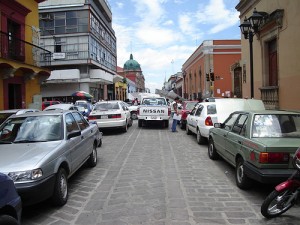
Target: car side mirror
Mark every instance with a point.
(74, 134)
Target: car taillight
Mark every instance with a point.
(138, 111)
(115, 116)
(208, 121)
(274, 157)
(169, 111)
(92, 117)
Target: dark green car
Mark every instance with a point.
(259, 144)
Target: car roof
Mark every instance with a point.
(43, 113)
(63, 106)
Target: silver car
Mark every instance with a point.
(111, 114)
(40, 151)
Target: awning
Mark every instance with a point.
(101, 76)
(64, 76)
(117, 78)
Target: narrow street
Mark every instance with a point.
(152, 176)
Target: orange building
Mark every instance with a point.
(20, 55)
(213, 70)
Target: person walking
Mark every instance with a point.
(176, 115)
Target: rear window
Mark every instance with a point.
(154, 101)
(211, 109)
(106, 106)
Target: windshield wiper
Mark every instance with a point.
(26, 141)
(5, 142)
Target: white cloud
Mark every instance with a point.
(120, 5)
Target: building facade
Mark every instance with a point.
(276, 70)
(132, 70)
(83, 42)
(20, 55)
(207, 72)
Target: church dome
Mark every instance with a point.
(132, 64)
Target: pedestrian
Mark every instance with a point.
(176, 115)
(135, 101)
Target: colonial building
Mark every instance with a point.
(83, 42)
(275, 59)
(20, 55)
(132, 70)
(207, 72)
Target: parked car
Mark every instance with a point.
(48, 103)
(205, 114)
(4, 114)
(10, 202)
(259, 144)
(62, 106)
(186, 108)
(111, 114)
(41, 150)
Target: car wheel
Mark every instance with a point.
(140, 123)
(182, 126)
(212, 152)
(166, 123)
(100, 143)
(134, 115)
(187, 130)
(8, 220)
(60, 194)
(200, 139)
(242, 181)
(92, 161)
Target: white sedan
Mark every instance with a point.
(111, 114)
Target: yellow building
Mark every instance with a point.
(276, 70)
(20, 55)
(121, 90)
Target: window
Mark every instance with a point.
(230, 121)
(199, 110)
(81, 121)
(272, 54)
(239, 126)
(71, 123)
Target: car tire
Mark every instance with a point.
(100, 143)
(60, 193)
(8, 220)
(166, 123)
(134, 115)
(187, 130)
(200, 139)
(140, 123)
(242, 181)
(182, 126)
(92, 161)
(212, 152)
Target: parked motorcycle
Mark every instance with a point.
(285, 194)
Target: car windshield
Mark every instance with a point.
(32, 129)
(106, 106)
(276, 125)
(4, 116)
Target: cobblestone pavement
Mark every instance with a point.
(152, 176)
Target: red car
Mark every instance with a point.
(187, 107)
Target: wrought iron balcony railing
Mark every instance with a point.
(270, 96)
(13, 48)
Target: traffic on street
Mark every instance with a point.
(150, 175)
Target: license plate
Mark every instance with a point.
(153, 117)
(104, 117)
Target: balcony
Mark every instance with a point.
(18, 50)
(270, 96)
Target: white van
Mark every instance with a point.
(205, 114)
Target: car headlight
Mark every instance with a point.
(26, 175)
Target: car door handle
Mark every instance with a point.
(224, 135)
(82, 137)
(240, 142)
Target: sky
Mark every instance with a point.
(163, 34)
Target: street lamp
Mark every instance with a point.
(249, 28)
